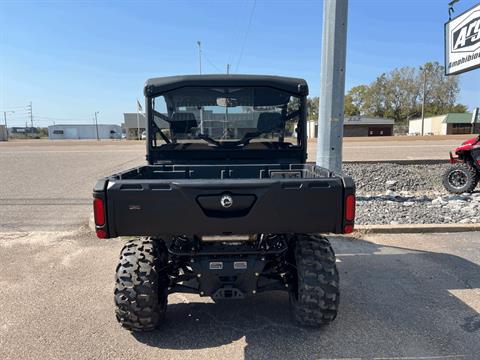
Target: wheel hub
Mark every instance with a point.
(458, 179)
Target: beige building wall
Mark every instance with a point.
(444, 128)
(432, 125)
(437, 128)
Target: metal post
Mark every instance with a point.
(423, 98)
(199, 43)
(31, 115)
(332, 85)
(474, 120)
(201, 121)
(6, 129)
(96, 125)
(138, 125)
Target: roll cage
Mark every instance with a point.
(223, 152)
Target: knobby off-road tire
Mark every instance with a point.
(315, 299)
(460, 178)
(141, 287)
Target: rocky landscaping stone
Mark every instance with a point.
(409, 194)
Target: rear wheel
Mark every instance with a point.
(141, 287)
(315, 298)
(460, 178)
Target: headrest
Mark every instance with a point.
(183, 122)
(269, 122)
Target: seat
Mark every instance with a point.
(269, 122)
(183, 123)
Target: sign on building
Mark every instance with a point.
(462, 42)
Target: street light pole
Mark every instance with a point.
(96, 124)
(332, 86)
(423, 98)
(199, 43)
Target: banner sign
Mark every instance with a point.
(462, 42)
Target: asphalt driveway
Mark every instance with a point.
(402, 297)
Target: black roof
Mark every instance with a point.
(157, 86)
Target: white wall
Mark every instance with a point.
(432, 125)
(311, 129)
(84, 132)
(415, 126)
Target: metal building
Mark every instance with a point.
(81, 131)
(359, 126)
(449, 124)
(131, 124)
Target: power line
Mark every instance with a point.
(211, 62)
(236, 33)
(61, 119)
(246, 34)
(201, 53)
(15, 107)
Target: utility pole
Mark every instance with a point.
(332, 85)
(228, 69)
(96, 124)
(423, 97)
(199, 43)
(31, 115)
(30, 112)
(5, 119)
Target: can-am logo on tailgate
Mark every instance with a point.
(226, 201)
(466, 36)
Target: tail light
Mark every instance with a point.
(348, 229)
(349, 213)
(99, 211)
(101, 234)
(350, 207)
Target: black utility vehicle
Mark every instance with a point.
(227, 206)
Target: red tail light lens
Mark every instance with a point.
(99, 212)
(101, 234)
(350, 208)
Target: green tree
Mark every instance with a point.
(312, 104)
(399, 93)
(355, 100)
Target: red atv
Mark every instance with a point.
(464, 173)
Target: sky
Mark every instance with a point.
(73, 58)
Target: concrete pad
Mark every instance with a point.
(404, 296)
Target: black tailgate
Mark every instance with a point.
(158, 207)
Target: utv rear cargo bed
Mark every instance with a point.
(160, 200)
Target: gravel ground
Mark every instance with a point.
(372, 178)
(409, 194)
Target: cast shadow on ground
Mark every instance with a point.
(394, 302)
